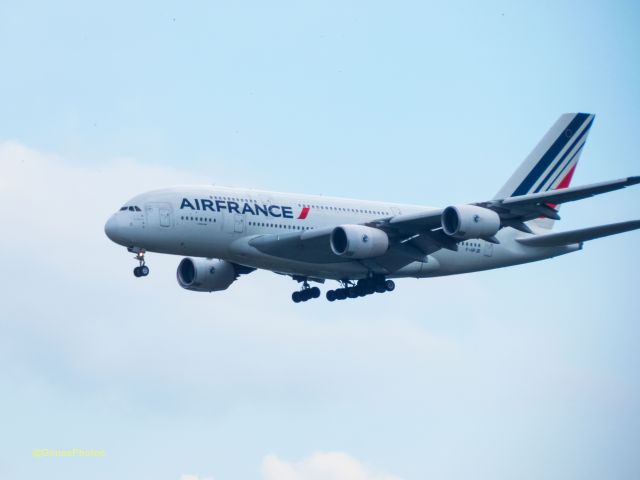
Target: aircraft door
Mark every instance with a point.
(165, 217)
(487, 249)
(234, 223)
(158, 214)
(239, 223)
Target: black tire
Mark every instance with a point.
(380, 288)
(296, 297)
(390, 285)
(341, 294)
(315, 292)
(368, 287)
(136, 272)
(352, 292)
(144, 271)
(331, 295)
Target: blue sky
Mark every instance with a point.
(528, 372)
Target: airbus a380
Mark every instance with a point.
(225, 233)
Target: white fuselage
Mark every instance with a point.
(220, 222)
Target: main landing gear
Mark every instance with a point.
(307, 293)
(350, 289)
(141, 270)
(364, 287)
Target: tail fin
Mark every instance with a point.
(551, 164)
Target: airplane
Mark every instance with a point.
(225, 233)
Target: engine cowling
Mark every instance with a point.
(205, 274)
(470, 221)
(358, 241)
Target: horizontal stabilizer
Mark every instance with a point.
(581, 235)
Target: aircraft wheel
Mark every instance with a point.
(144, 270)
(331, 295)
(389, 285)
(380, 288)
(352, 292)
(136, 272)
(315, 292)
(341, 294)
(296, 297)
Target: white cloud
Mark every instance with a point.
(321, 466)
(109, 323)
(78, 330)
(43, 193)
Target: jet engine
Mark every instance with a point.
(470, 221)
(205, 274)
(358, 241)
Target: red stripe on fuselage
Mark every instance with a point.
(304, 213)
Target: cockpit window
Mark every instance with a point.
(123, 208)
(137, 208)
(131, 209)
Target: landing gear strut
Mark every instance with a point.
(141, 270)
(307, 293)
(364, 287)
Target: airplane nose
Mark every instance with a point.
(112, 229)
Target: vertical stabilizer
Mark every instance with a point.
(551, 164)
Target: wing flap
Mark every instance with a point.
(580, 235)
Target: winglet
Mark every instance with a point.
(633, 181)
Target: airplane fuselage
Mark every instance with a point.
(221, 222)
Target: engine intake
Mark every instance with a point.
(470, 221)
(359, 241)
(205, 275)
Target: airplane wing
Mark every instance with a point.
(516, 210)
(571, 194)
(551, 198)
(412, 237)
(307, 246)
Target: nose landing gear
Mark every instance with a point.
(141, 270)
